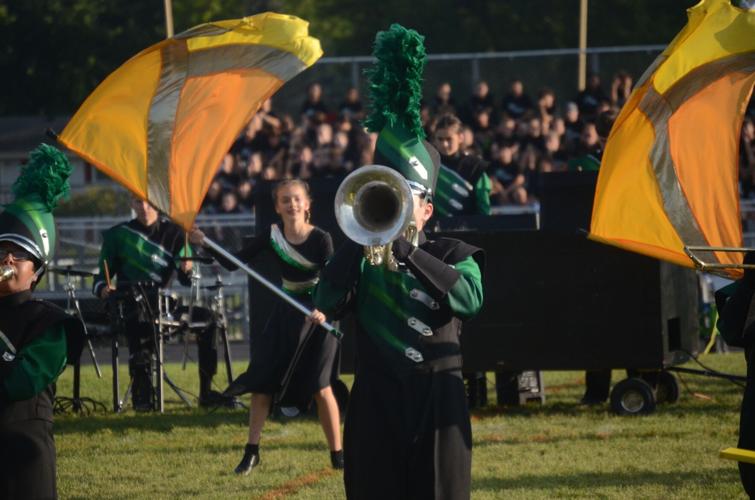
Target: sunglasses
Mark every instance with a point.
(18, 254)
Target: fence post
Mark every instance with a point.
(475, 72)
(355, 74)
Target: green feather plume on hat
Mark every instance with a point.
(44, 177)
(395, 88)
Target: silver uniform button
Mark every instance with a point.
(420, 327)
(423, 297)
(414, 355)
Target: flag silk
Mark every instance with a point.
(669, 174)
(162, 122)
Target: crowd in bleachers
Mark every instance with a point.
(520, 136)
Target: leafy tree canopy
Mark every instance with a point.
(54, 52)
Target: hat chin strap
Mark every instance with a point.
(41, 269)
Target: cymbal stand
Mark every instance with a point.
(196, 279)
(218, 309)
(76, 311)
(118, 322)
(165, 322)
(77, 403)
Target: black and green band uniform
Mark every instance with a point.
(273, 351)
(463, 187)
(142, 259)
(407, 433)
(36, 340)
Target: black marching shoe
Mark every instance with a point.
(250, 459)
(215, 399)
(336, 459)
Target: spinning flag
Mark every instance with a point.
(161, 123)
(668, 178)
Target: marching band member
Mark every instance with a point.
(463, 184)
(37, 338)
(301, 250)
(143, 255)
(407, 433)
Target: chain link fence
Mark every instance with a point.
(552, 68)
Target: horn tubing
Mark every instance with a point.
(270, 286)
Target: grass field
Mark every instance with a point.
(559, 449)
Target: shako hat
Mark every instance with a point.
(395, 91)
(28, 221)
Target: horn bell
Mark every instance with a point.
(374, 205)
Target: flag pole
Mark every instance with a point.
(267, 284)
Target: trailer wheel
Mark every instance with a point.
(667, 388)
(632, 396)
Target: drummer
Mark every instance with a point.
(139, 257)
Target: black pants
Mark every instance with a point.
(142, 341)
(747, 424)
(408, 438)
(27, 460)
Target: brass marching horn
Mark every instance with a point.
(374, 207)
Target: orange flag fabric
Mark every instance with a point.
(161, 123)
(669, 174)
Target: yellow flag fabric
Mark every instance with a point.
(668, 178)
(161, 123)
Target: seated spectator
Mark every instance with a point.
(481, 100)
(427, 119)
(443, 102)
(588, 152)
(590, 98)
(351, 108)
(507, 177)
(468, 144)
(245, 195)
(545, 165)
(270, 173)
(554, 153)
(253, 167)
(516, 103)
(250, 141)
(574, 124)
(506, 130)
(546, 107)
(559, 127)
(301, 164)
(229, 203)
(324, 135)
(345, 151)
(267, 115)
(228, 174)
(534, 135)
(313, 107)
(211, 202)
(321, 162)
(621, 87)
(529, 159)
(484, 135)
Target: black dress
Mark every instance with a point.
(273, 351)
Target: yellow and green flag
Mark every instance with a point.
(669, 174)
(161, 123)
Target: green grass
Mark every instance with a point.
(559, 449)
